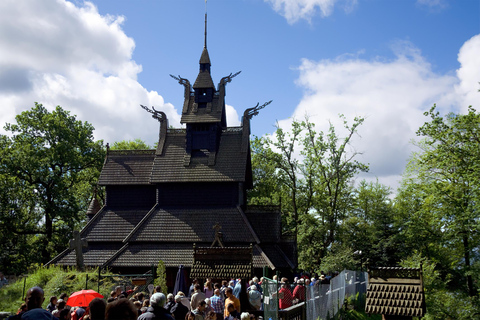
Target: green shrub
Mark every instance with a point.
(54, 280)
(161, 279)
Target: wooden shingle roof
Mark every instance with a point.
(145, 255)
(112, 224)
(278, 257)
(230, 164)
(204, 80)
(96, 255)
(142, 167)
(262, 216)
(148, 254)
(212, 113)
(395, 292)
(205, 57)
(127, 167)
(193, 224)
(93, 207)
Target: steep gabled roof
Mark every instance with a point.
(205, 57)
(113, 224)
(148, 254)
(143, 167)
(97, 254)
(204, 80)
(261, 216)
(132, 167)
(145, 255)
(193, 224)
(211, 114)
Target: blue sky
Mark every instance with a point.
(386, 60)
(248, 35)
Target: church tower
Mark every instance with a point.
(204, 112)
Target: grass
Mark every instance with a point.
(54, 281)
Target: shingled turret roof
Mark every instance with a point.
(204, 79)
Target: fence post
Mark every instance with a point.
(98, 281)
(24, 285)
(278, 297)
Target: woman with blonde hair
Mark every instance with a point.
(208, 289)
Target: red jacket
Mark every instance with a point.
(287, 299)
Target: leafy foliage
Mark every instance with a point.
(136, 144)
(49, 165)
(444, 178)
(161, 279)
(54, 281)
(313, 185)
(434, 218)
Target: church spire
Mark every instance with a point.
(205, 40)
(204, 79)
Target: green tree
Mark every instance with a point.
(50, 159)
(441, 192)
(329, 169)
(312, 184)
(15, 209)
(370, 228)
(287, 186)
(266, 188)
(136, 144)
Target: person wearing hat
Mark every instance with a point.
(324, 280)
(156, 311)
(300, 291)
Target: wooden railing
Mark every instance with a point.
(295, 312)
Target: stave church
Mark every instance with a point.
(185, 202)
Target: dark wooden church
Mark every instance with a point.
(162, 203)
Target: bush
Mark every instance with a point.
(161, 279)
(54, 280)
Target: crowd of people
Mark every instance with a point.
(210, 301)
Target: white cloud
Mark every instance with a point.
(433, 5)
(56, 53)
(468, 74)
(392, 95)
(232, 116)
(294, 10)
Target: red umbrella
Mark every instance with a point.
(82, 298)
